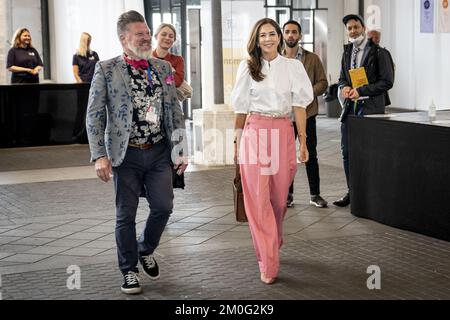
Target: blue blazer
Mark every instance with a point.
(110, 109)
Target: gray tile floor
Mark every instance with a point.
(204, 254)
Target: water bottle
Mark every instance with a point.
(432, 111)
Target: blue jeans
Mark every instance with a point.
(152, 169)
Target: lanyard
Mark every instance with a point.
(149, 73)
(150, 81)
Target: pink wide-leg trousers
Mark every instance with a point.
(268, 166)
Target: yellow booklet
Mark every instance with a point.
(359, 77)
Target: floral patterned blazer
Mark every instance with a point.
(110, 109)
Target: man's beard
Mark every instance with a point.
(292, 44)
(140, 54)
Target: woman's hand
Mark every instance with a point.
(181, 165)
(35, 71)
(304, 154)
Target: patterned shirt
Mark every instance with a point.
(146, 93)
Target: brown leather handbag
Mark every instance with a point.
(239, 207)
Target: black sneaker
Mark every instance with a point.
(290, 200)
(150, 267)
(131, 283)
(318, 201)
(343, 202)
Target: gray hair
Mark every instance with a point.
(126, 19)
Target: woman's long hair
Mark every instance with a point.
(15, 42)
(254, 62)
(85, 45)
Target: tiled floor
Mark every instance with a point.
(55, 216)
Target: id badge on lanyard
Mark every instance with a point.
(151, 115)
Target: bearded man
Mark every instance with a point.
(292, 34)
(133, 122)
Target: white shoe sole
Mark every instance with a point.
(131, 291)
(317, 205)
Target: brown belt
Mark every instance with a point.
(145, 146)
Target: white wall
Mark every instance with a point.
(422, 68)
(70, 18)
(351, 6)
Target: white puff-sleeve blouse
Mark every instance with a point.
(286, 85)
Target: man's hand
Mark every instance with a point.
(346, 92)
(181, 165)
(304, 154)
(103, 167)
(354, 94)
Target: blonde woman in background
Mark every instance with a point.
(84, 60)
(166, 35)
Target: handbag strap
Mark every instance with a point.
(238, 173)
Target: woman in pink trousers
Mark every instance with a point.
(268, 89)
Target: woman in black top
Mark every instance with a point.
(23, 59)
(84, 60)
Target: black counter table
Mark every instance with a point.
(42, 114)
(400, 171)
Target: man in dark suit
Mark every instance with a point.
(362, 52)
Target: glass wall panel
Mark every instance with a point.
(306, 20)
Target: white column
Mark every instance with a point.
(213, 125)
